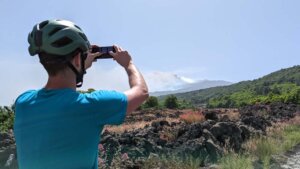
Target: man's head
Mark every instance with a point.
(57, 42)
(56, 64)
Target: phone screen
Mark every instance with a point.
(104, 49)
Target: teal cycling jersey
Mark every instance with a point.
(61, 128)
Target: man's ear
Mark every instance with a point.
(77, 61)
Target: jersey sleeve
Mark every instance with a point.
(109, 106)
(24, 96)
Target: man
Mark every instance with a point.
(56, 127)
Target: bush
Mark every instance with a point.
(171, 102)
(6, 118)
(183, 104)
(287, 93)
(152, 101)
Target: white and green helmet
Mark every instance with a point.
(57, 37)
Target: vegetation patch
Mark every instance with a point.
(259, 151)
(279, 86)
(7, 117)
(236, 161)
(192, 117)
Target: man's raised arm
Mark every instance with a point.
(138, 91)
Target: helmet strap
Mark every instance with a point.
(79, 74)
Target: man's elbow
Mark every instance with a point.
(145, 94)
(138, 101)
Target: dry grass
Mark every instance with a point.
(133, 126)
(295, 120)
(232, 115)
(168, 135)
(280, 138)
(126, 127)
(235, 161)
(188, 115)
(192, 117)
(172, 162)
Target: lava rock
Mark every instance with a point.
(211, 115)
(223, 131)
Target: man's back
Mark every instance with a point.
(61, 128)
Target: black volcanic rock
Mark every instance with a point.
(223, 131)
(211, 115)
(259, 123)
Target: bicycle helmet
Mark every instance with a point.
(59, 38)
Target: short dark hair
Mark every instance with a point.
(56, 63)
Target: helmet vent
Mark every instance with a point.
(43, 24)
(77, 27)
(62, 42)
(54, 31)
(83, 36)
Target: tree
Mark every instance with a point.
(293, 96)
(183, 104)
(152, 101)
(171, 102)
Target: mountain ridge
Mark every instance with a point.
(202, 84)
(282, 81)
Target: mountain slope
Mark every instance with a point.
(203, 84)
(279, 83)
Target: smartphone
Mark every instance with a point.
(104, 50)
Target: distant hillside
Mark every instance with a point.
(282, 85)
(203, 84)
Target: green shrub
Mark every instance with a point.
(286, 93)
(152, 101)
(6, 118)
(171, 102)
(183, 104)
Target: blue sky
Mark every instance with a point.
(195, 39)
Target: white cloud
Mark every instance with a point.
(116, 79)
(196, 72)
(163, 81)
(187, 80)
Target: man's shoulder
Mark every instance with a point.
(104, 94)
(25, 96)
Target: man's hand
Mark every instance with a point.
(90, 59)
(121, 56)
